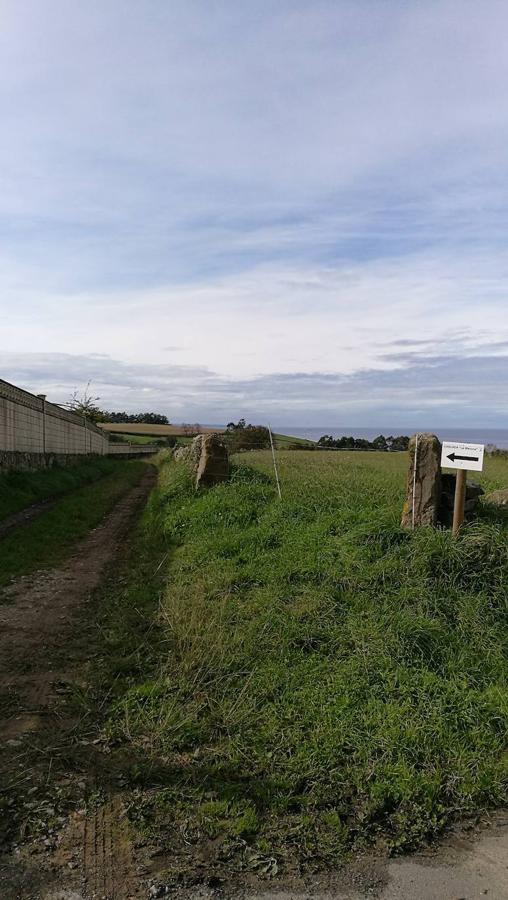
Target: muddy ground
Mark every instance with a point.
(48, 761)
(65, 829)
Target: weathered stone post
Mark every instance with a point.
(213, 466)
(423, 492)
(207, 457)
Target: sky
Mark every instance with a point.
(294, 212)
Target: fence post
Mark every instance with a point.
(460, 500)
(274, 463)
(43, 398)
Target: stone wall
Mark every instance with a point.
(29, 424)
(35, 434)
(13, 459)
(132, 449)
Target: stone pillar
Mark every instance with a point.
(43, 398)
(207, 457)
(423, 492)
(213, 466)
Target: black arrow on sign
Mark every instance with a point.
(454, 456)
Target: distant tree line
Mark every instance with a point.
(240, 436)
(351, 443)
(86, 405)
(492, 450)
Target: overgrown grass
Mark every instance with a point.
(328, 679)
(19, 489)
(284, 441)
(128, 606)
(50, 537)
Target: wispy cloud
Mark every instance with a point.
(421, 390)
(265, 189)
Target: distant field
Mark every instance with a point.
(136, 438)
(284, 441)
(135, 433)
(154, 430)
(149, 439)
(326, 679)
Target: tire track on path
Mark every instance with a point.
(44, 652)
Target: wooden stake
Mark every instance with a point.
(274, 463)
(460, 501)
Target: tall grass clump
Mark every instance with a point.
(329, 680)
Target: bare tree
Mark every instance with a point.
(85, 405)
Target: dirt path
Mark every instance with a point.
(38, 614)
(44, 652)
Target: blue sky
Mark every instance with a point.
(292, 211)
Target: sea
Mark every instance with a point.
(497, 436)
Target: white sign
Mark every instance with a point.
(462, 456)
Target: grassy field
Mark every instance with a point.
(49, 538)
(327, 681)
(135, 438)
(181, 440)
(284, 441)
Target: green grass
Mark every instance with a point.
(127, 602)
(284, 441)
(49, 538)
(328, 680)
(136, 438)
(19, 489)
(149, 439)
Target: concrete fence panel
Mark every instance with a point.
(34, 432)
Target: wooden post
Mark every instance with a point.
(275, 463)
(460, 501)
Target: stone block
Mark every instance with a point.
(213, 466)
(498, 498)
(423, 491)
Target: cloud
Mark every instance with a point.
(419, 392)
(180, 139)
(270, 190)
(280, 318)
